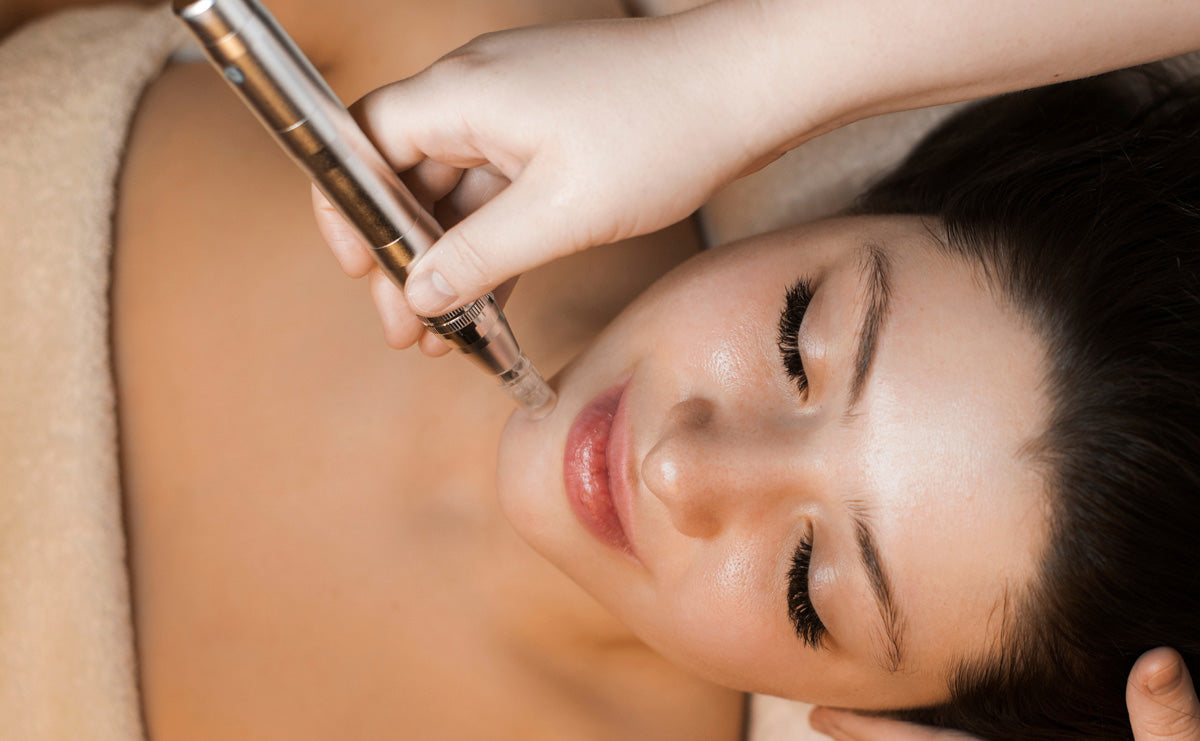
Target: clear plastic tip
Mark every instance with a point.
(527, 387)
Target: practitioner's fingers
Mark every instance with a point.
(474, 188)
(517, 230)
(433, 346)
(416, 119)
(394, 108)
(401, 328)
(347, 247)
(430, 181)
(845, 726)
(1162, 699)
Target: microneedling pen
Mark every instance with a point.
(274, 78)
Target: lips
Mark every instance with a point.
(593, 468)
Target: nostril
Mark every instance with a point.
(667, 466)
(691, 413)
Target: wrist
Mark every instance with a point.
(779, 71)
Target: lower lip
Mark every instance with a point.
(590, 485)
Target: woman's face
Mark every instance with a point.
(845, 544)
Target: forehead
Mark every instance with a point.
(945, 427)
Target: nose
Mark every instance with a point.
(712, 470)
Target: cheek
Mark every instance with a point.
(716, 283)
(727, 362)
(711, 329)
(724, 618)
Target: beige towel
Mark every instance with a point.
(69, 84)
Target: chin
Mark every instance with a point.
(527, 486)
(532, 493)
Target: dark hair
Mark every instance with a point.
(1080, 202)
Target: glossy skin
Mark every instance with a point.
(729, 467)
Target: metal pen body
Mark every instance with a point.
(287, 94)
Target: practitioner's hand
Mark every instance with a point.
(610, 129)
(1160, 696)
(564, 137)
(1162, 699)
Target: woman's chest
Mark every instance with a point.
(305, 553)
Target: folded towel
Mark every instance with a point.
(69, 84)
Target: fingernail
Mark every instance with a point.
(1166, 680)
(429, 293)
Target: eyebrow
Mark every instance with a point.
(889, 612)
(876, 269)
(877, 272)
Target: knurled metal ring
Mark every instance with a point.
(460, 318)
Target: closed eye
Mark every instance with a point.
(795, 305)
(804, 616)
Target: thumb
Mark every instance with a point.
(1161, 698)
(510, 234)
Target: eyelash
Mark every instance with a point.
(795, 305)
(804, 616)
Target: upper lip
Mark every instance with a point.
(619, 472)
